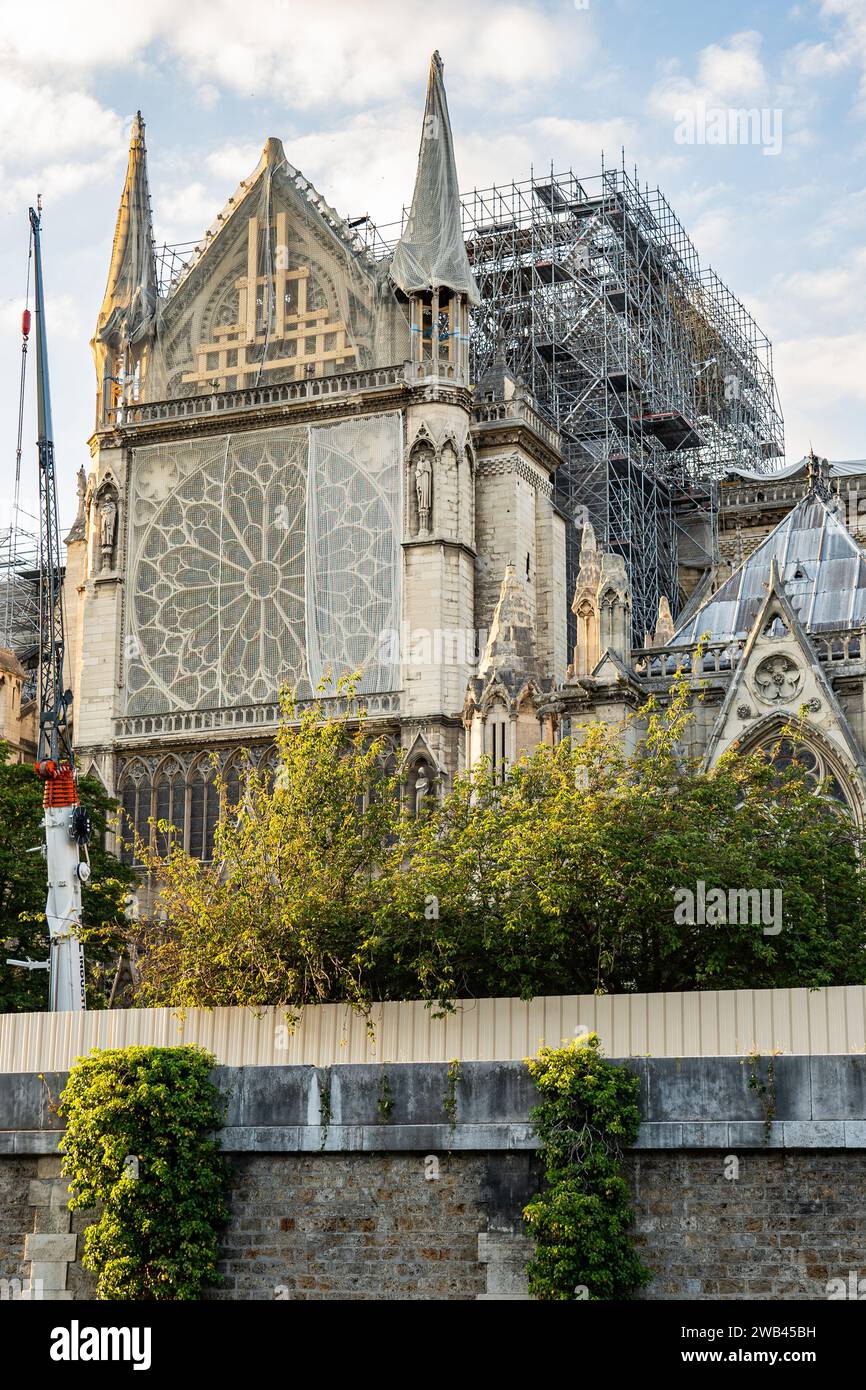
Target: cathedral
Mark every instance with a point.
(295, 480)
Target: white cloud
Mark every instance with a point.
(817, 60)
(234, 162)
(822, 382)
(46, 122)
(183, 212)
(54, 182)
(329, 53)
(730, 74)
(849, 43)
(355, 55)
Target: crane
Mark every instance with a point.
(66, 822)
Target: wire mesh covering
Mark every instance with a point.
(263, 560)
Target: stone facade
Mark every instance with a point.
(369, 1225)
(17, 708)
(782, 1229)
(310, 339)
(772, 635)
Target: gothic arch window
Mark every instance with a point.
(189, 792)
(449, 495)
(585, 619)
(136, 809)
(233, 783)
(496, 740)
(783, 752)
(204, 808)
(467, 498)
(169, 805)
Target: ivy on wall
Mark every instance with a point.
(581, 1221)
(140, 1148)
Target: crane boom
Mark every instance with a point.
(53, 729)
(65, 822)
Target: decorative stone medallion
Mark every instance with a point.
(777, 679)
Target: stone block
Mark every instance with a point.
(52, 1274)
(50, 1247)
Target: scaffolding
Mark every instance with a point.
(19, 591)
(655, 374)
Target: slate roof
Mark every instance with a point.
(822, 568)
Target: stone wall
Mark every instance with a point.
(366, 1226)
(362, 1197)
(775, 1226)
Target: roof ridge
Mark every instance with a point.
(273, 156)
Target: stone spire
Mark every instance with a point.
(664, 626)
(817, 476)
(510, 654)
(126, 319)
(585, 604)
(431, 253)
(614, 607)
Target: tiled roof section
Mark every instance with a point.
(822, 569)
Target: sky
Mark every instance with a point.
(777, 208)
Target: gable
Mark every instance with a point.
(780, 681)
(277, 292)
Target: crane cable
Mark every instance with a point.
(25, 334)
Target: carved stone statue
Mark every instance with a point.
(422, 787)
(107, 528)
(424, 489)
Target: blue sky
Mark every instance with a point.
(342, 84)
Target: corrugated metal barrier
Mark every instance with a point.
(707, 1024)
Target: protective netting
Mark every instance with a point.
(431, 252)
(281, 289)
(354, 555)
(263, 560)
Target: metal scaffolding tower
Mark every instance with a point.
(655, 374)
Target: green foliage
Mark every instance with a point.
(156, 1236)
(581, 1221)
(765, 1090)
(23, 891)
(449, 1100)
(556, 878)
(284, 911)
(385, 1102)
(559, 878)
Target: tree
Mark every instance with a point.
(561, 876)
(582, 1219)
(140, 1146)
(23, 931)
(284, 912)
